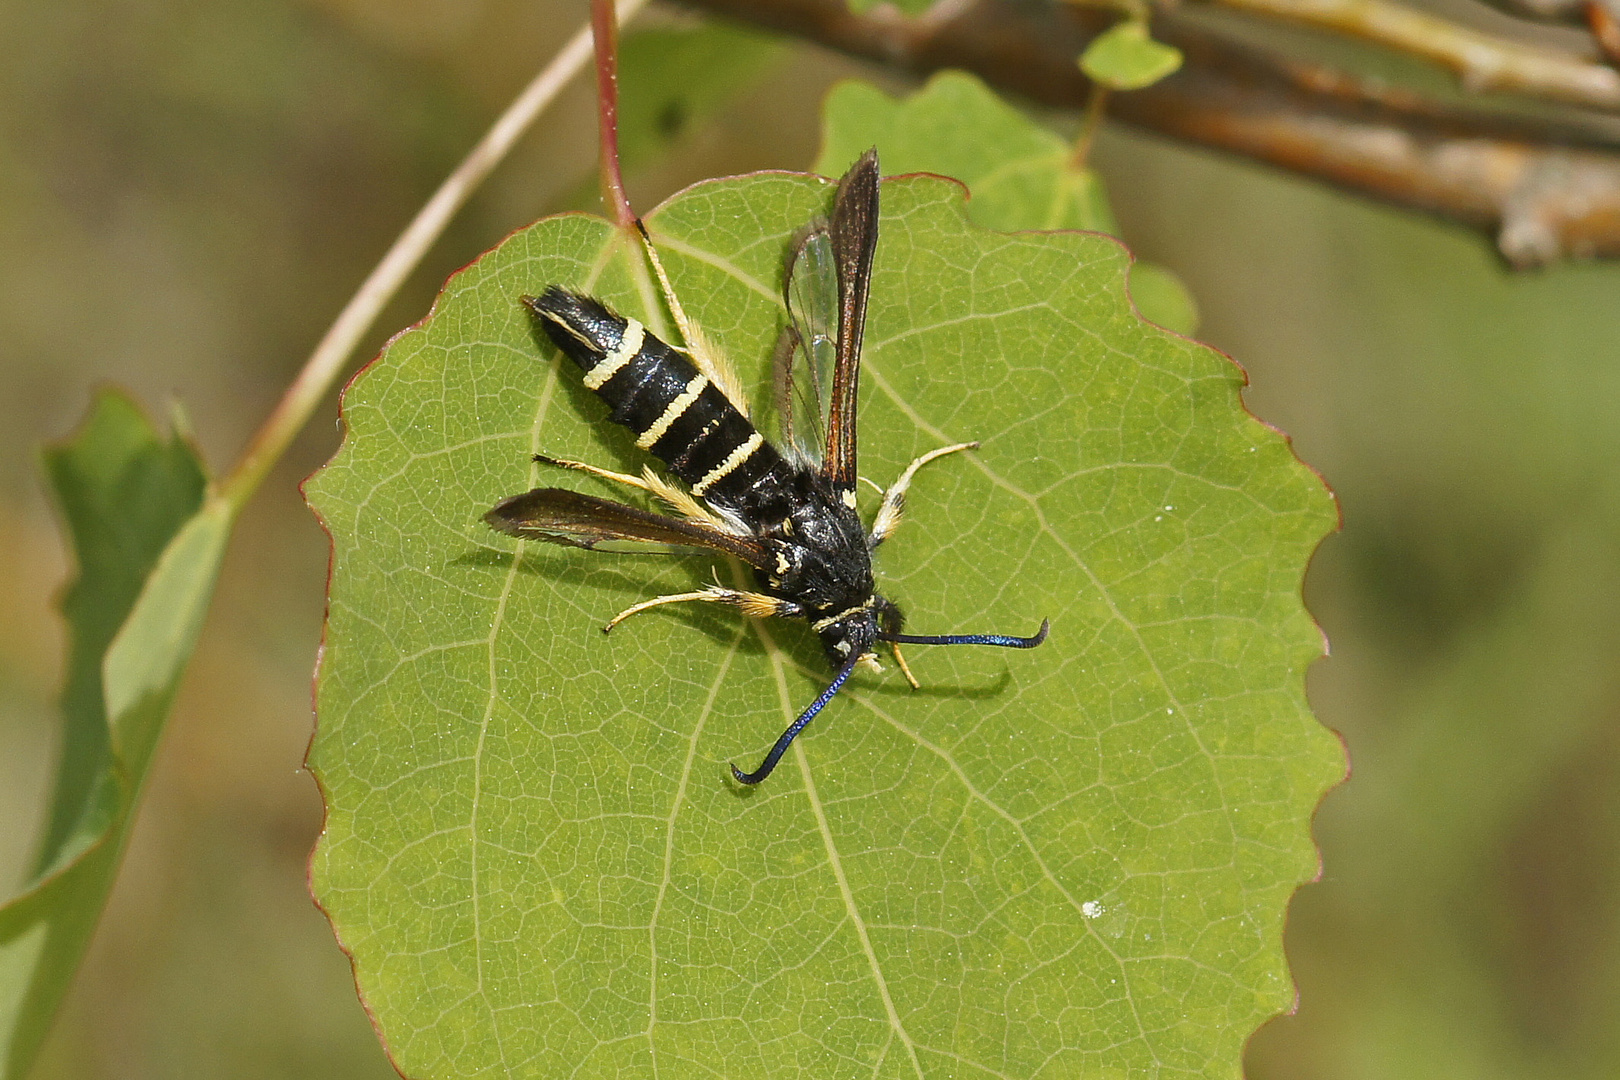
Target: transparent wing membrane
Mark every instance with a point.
(808, 354)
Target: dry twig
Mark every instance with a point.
(1484, 62)
(1543, 191)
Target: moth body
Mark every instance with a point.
(819, 556)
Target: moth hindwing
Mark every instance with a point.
(792, 516)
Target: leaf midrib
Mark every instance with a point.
(834, 862)
(497, 621)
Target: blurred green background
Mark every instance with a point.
(189, 190)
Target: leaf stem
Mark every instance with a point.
(605, 34)
(329, 357)
(1096, 105)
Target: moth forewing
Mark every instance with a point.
(853, 232)
(559, 516)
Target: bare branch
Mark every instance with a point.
(1542, 202)
(1484, 62)
(1534, 187)
(1603, 19)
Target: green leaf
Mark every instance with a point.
(1125, 57)
(152, 647)
(674, 78)
(148, 546)
(123, 492)
(1161, 297)
(1070, 860)
(1022, 175)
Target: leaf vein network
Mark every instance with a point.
(1023, 837)
(1074, 556)
(669, 838)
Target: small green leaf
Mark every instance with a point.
(1019, 172)
(1071, 860)
(123, 492)
(148, 545)
(43, 934)
(1022, 176)
(1126, 58)
(1161, 298)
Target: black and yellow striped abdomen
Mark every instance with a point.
(674, 410)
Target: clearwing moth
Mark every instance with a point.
(788, 512)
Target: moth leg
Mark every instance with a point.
(709, 360)
(894, 500)
(683, 503)
(755, 605)
(670, 495)
(596, 471)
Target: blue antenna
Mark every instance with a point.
(809, 714)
